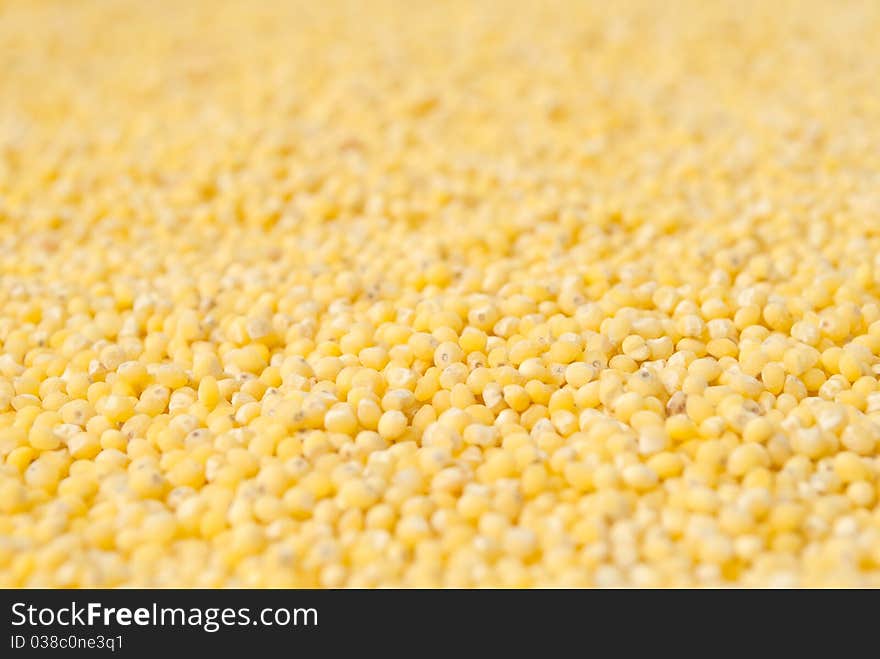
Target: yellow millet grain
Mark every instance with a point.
(439, 294)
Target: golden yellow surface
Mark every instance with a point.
(439, 293)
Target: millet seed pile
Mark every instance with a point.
(449, 293)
